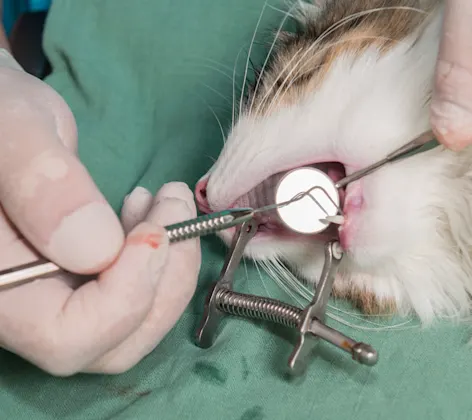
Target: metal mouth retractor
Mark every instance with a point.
(309, 322)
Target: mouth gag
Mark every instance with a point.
(305, 213)
(309, 322)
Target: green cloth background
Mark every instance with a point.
(140, 80)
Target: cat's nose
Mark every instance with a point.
(201, 196)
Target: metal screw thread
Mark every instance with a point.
(184, 231)
(256, 307)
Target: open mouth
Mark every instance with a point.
(264, 194)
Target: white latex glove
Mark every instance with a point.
(107, 324)
(451, 108)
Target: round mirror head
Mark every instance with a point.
(307, 214)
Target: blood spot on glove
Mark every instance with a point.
(151, 239)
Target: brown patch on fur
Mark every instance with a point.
(302, 60)
(367, 302)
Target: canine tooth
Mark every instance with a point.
(338, 219)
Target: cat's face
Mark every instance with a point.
(352, 98)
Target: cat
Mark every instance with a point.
(352, 84)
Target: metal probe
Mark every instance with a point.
(200, 226)
(426, 140)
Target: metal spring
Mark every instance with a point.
(192, 230)
(255, 307)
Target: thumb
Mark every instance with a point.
(451, 107)
(54, 203)
(44, 189)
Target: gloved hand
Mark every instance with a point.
(109, 323)
(451, 108)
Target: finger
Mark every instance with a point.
(13, 250)
(63, 331)
(175, 289)
(135, 208)
(18, 82)
(48, 194)
(451, 108)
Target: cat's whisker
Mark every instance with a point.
(293, 285)
(215, 91)
(234, 87)
(211, 158)
(277, 271)
(286, 15)
(229, 68)
(249, 55)
(271, 269)
(294, 4)
(331, 29)
(245, 269)
(262, 279)
(301, 73)
(217, 120)
(207, 66)
(219, 124)
(259, 107)
(396, 327)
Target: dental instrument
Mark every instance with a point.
(307, 214)
(308, 322)
(318, 206)
(423, 142)
(200, 226)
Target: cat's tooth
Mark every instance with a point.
(338, 219)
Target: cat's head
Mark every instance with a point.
(351, 86)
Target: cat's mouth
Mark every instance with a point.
(263, 194)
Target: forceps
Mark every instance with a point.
(200, 226)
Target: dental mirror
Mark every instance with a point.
(308, 214)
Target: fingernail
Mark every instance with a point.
(175, 190)
(452, 123)
(87, 240)
(139, 192)
(169, 211)
(135, 208)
